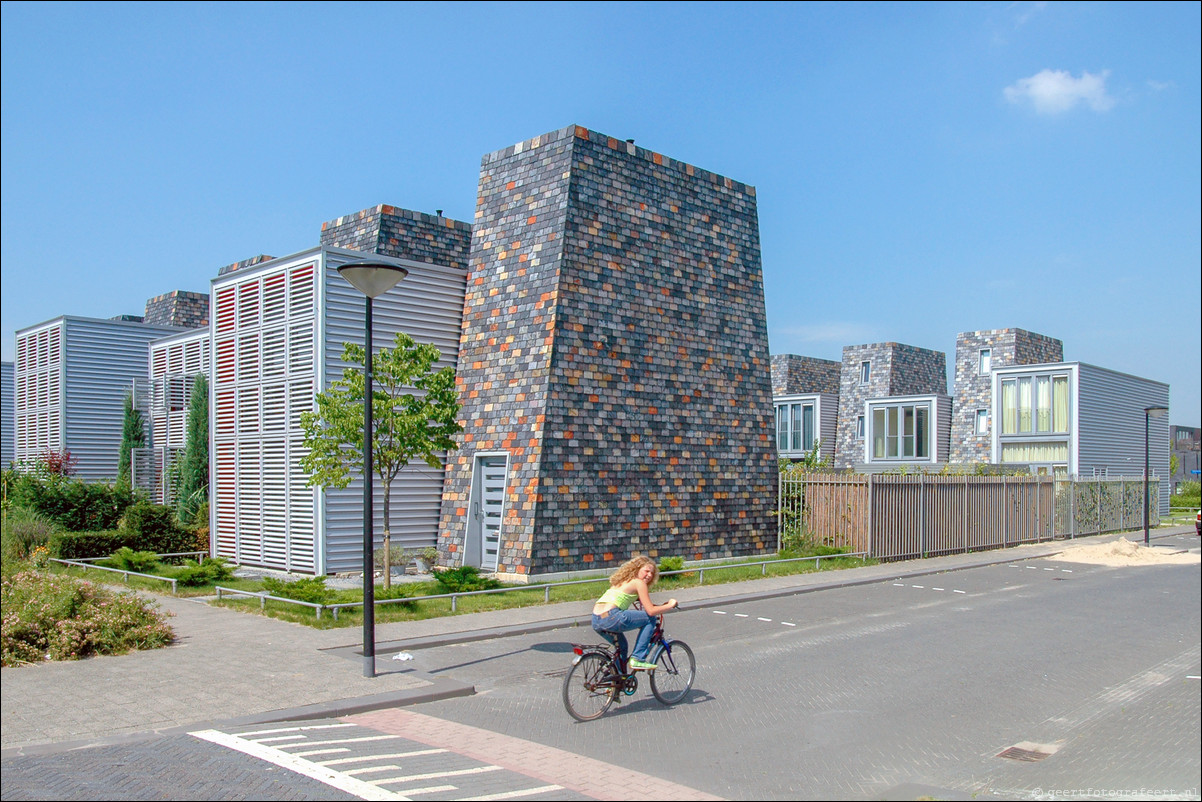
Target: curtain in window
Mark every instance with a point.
(807, 427)
(1043, 400)
(1035, 452)
(1060, 404)
(878, 433)
(1009, 408)
(921, 449)
(1024, 404)
(782, 428)
(796, 426)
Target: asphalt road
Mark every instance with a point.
(896, 690)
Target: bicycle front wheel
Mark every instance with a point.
(674, 673)
(589, 688)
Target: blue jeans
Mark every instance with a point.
(618, 621)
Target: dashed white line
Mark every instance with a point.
(769, 620)
(936, 588)
(719, 612)
(393, 756)
(542, 789)
(741, 615)
(434, 775)
(920, 587)
(788, 624)
(363, 739)
(304, 728)
(959, 591)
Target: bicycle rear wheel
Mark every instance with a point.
(589, 688)
(676, 669)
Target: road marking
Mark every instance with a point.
(920, 587)
(431, 789)
(279, 738)
(363, 739)
(959, 591)
(393, 756)
(544, 789)
(936, 588)
(788, 623)
(296, 729)
(334, 751)
(769, 620)
(740, 615)
(408, 778)
(301, 766)
(719, 612)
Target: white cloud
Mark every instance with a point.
(1159, 86)
(1056, 91)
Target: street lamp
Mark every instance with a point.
(373, 279)
(1149, 413)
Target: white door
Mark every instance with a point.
(484, 525)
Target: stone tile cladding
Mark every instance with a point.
(615, 347)
(793, 374)
(245, 263)
(1009, 347)
(178, 308)
(896, 369)
(402, 233)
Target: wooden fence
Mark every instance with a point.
(900, 517)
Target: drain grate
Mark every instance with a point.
(1027, 752)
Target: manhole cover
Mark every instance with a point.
(1028, 752)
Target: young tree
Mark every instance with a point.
(193, 487)
(413, 417)
(133, 435)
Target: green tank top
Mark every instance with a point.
(616, 597)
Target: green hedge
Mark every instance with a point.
(79, 545)
(71, 503)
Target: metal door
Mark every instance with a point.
(488, 501)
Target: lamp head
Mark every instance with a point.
(371, 278)
(1155, 412)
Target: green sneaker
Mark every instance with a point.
(639, 665)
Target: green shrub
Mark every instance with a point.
(81, 545)
(193, 574)
(127, 559)
(671, 564)
(55, 617)
(24, 531)
(307, 589)
(154, 527)
(462, 579)
(73, 504)
(1189, 496)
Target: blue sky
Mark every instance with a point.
(921, 169)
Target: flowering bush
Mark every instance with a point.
(53, 617)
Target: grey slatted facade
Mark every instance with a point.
(8, 415)
(96, 364)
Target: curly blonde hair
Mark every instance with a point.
(630, 569)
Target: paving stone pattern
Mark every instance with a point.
(615, 348)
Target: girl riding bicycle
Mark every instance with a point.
(613, 615)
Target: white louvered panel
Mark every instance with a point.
(300, 348)
(249, 422)
(300, 399)
(159, 428)
(275, 300)
(225, 311)
(158, 364)
(225, 413)
(250, 503)
(175, 358)
(227, 363)
(249, 309)
(274, 364)
(300, 291)
(225, 486)
(275, 410)
(301, 552)
(248, 356)
(177, 429)
(275, 505)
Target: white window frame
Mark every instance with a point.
(865, 372)
(860, 427)
(984, 361)
(897, 424)
(981, 422)
(791, 425)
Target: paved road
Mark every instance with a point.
(897, 689)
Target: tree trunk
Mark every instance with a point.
(387, 543)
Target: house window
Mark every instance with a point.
(794, 426)
(865, 371)
(860, 427)
(1035, 452)
(982, 425)
(901, 431)
(985, 361)
(1035, 404)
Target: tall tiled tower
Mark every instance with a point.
(614, 364)
(804, 374)
(178, 308)
(881, 370)
(403, 233)
(1005, 348)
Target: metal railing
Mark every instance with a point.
(699, 570)
(89, 562)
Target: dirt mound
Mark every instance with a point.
(1124, 552)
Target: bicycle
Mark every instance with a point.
(596, 679)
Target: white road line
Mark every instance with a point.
(920, 587)
(331, 751)
(959, 591)
(769, 620)
(1066, 570)
(740, 615)
(931, 588)
(335, 779)
(369, 769)
(293, 729)
(542, 789)
(788, 623)
(899, 584)
(363, 739)
(278, 738)
(434, 775)
(431, 789)
(393, 756)
(719, 612)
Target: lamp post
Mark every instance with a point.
(1149, 413)
(373, 279)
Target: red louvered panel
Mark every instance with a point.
(225, 486)
(225, 313)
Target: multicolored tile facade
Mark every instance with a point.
(403, 233)
(615, 348)
(178, 308)
(894, 370)
(793, 374)
(1008, 347)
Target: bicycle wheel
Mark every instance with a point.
(588, 689)
(672, 679)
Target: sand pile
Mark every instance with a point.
(1124, 552)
